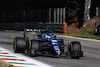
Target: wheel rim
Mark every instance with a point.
(71, 47)
(29, 48)
(33, 52)
(26, 51)
(15, 45)
(29, 52)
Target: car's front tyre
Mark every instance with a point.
(19, 44)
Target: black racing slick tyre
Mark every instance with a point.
(75, 50)
(33, 48)
(19, 44)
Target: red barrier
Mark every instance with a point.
(64, 28)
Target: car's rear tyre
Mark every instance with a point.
(74, 49)
(19, 44)
(33, 48)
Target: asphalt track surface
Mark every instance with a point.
(91, 51)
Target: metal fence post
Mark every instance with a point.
(49, 15)
(23, 16)
(39, 14)
(87, 10)
(54, 15)
(63, 15)
(60, 15)
(97, 17)
(57, 15)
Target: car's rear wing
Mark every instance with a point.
(30, 30)
(36, 31)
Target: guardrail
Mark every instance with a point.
(55, 27)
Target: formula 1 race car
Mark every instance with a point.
(47, 44)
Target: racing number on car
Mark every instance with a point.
(54, 40)
(56, 47)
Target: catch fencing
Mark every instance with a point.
(51, 18)
(54, 27)
(98, 20)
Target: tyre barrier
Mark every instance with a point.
(64, 28)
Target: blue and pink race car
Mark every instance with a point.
(47, 44)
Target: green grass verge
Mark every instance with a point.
(5, 64)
